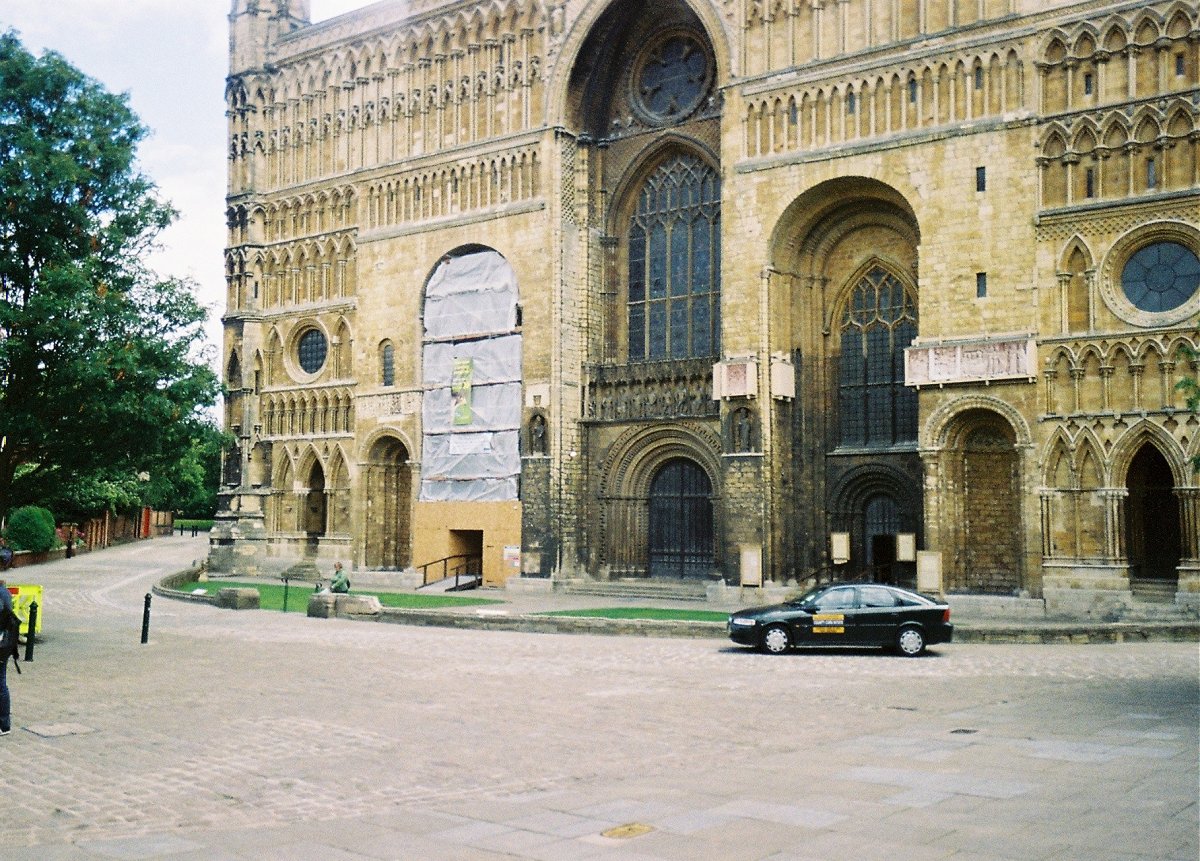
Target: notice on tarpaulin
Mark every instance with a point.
(460, 391)
(512, 557)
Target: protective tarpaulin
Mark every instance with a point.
(493, 360)
(470, 455)
(475, 294)
(490, 408)
(471, 412)
(473, 490)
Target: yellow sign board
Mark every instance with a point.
(22, 597)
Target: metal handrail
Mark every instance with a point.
(469, 566)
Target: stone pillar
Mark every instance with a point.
(1046, 495)
(1187, 593)
(1114, 523)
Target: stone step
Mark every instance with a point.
(673, 590)
(1154, 591)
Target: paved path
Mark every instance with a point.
(258, 735)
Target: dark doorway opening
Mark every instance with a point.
(466, 542)
(1152, 532)
(315, 507)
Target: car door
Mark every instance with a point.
(877, 616)
(830, 620)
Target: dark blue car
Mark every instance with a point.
(846, 614)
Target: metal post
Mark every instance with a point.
(146, 621)
(285, 592)
(33, 613)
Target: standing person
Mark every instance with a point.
(8, 650)
(6, 555)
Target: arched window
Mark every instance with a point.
(675, 263)
(880, 320)
(387, 365)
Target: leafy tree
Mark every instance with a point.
(189, 484)
(98, 375)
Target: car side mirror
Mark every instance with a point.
(809, 608)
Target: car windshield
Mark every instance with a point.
(808, 597)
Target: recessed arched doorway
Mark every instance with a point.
(982, 482)
(314, 504)
(1153, 540)
(681, 544)
(387, 506)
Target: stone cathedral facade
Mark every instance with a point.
(718, 291)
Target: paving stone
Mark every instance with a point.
(258, 735)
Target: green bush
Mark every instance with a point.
(31, 528)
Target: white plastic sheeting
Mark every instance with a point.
(493, 360)
(471, 413)
(490, 408)
(475, 294)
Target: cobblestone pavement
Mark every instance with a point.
(258, 735)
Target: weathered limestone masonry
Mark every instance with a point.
(718, 290)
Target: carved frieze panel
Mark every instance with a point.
(981, 361)
(651, 390)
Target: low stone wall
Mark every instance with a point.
(496, 620)
(168, 587)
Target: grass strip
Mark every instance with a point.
(657, 613)
(270, 596)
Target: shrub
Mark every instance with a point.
(31, 528)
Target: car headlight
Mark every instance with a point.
(740, 621)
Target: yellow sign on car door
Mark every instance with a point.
(829, 623)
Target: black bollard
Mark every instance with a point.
(146, 621)
(33, 610)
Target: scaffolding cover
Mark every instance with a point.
(470, 455)
(493, 360)
(471, 412)
(473, 490)
(474, 408)
(475, 294)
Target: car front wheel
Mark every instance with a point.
(910, 642)
(775, 640)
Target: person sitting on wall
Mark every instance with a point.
(340, 582)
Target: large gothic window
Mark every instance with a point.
(675, 263)
(876, 408)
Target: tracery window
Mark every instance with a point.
(674, 263)
(673, 76)
(312, 350)
(1161, 276)
(880, 320)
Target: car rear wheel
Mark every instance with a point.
(776, 639)
(910, 642)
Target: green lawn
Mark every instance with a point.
(270, 596)
(644, 613)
